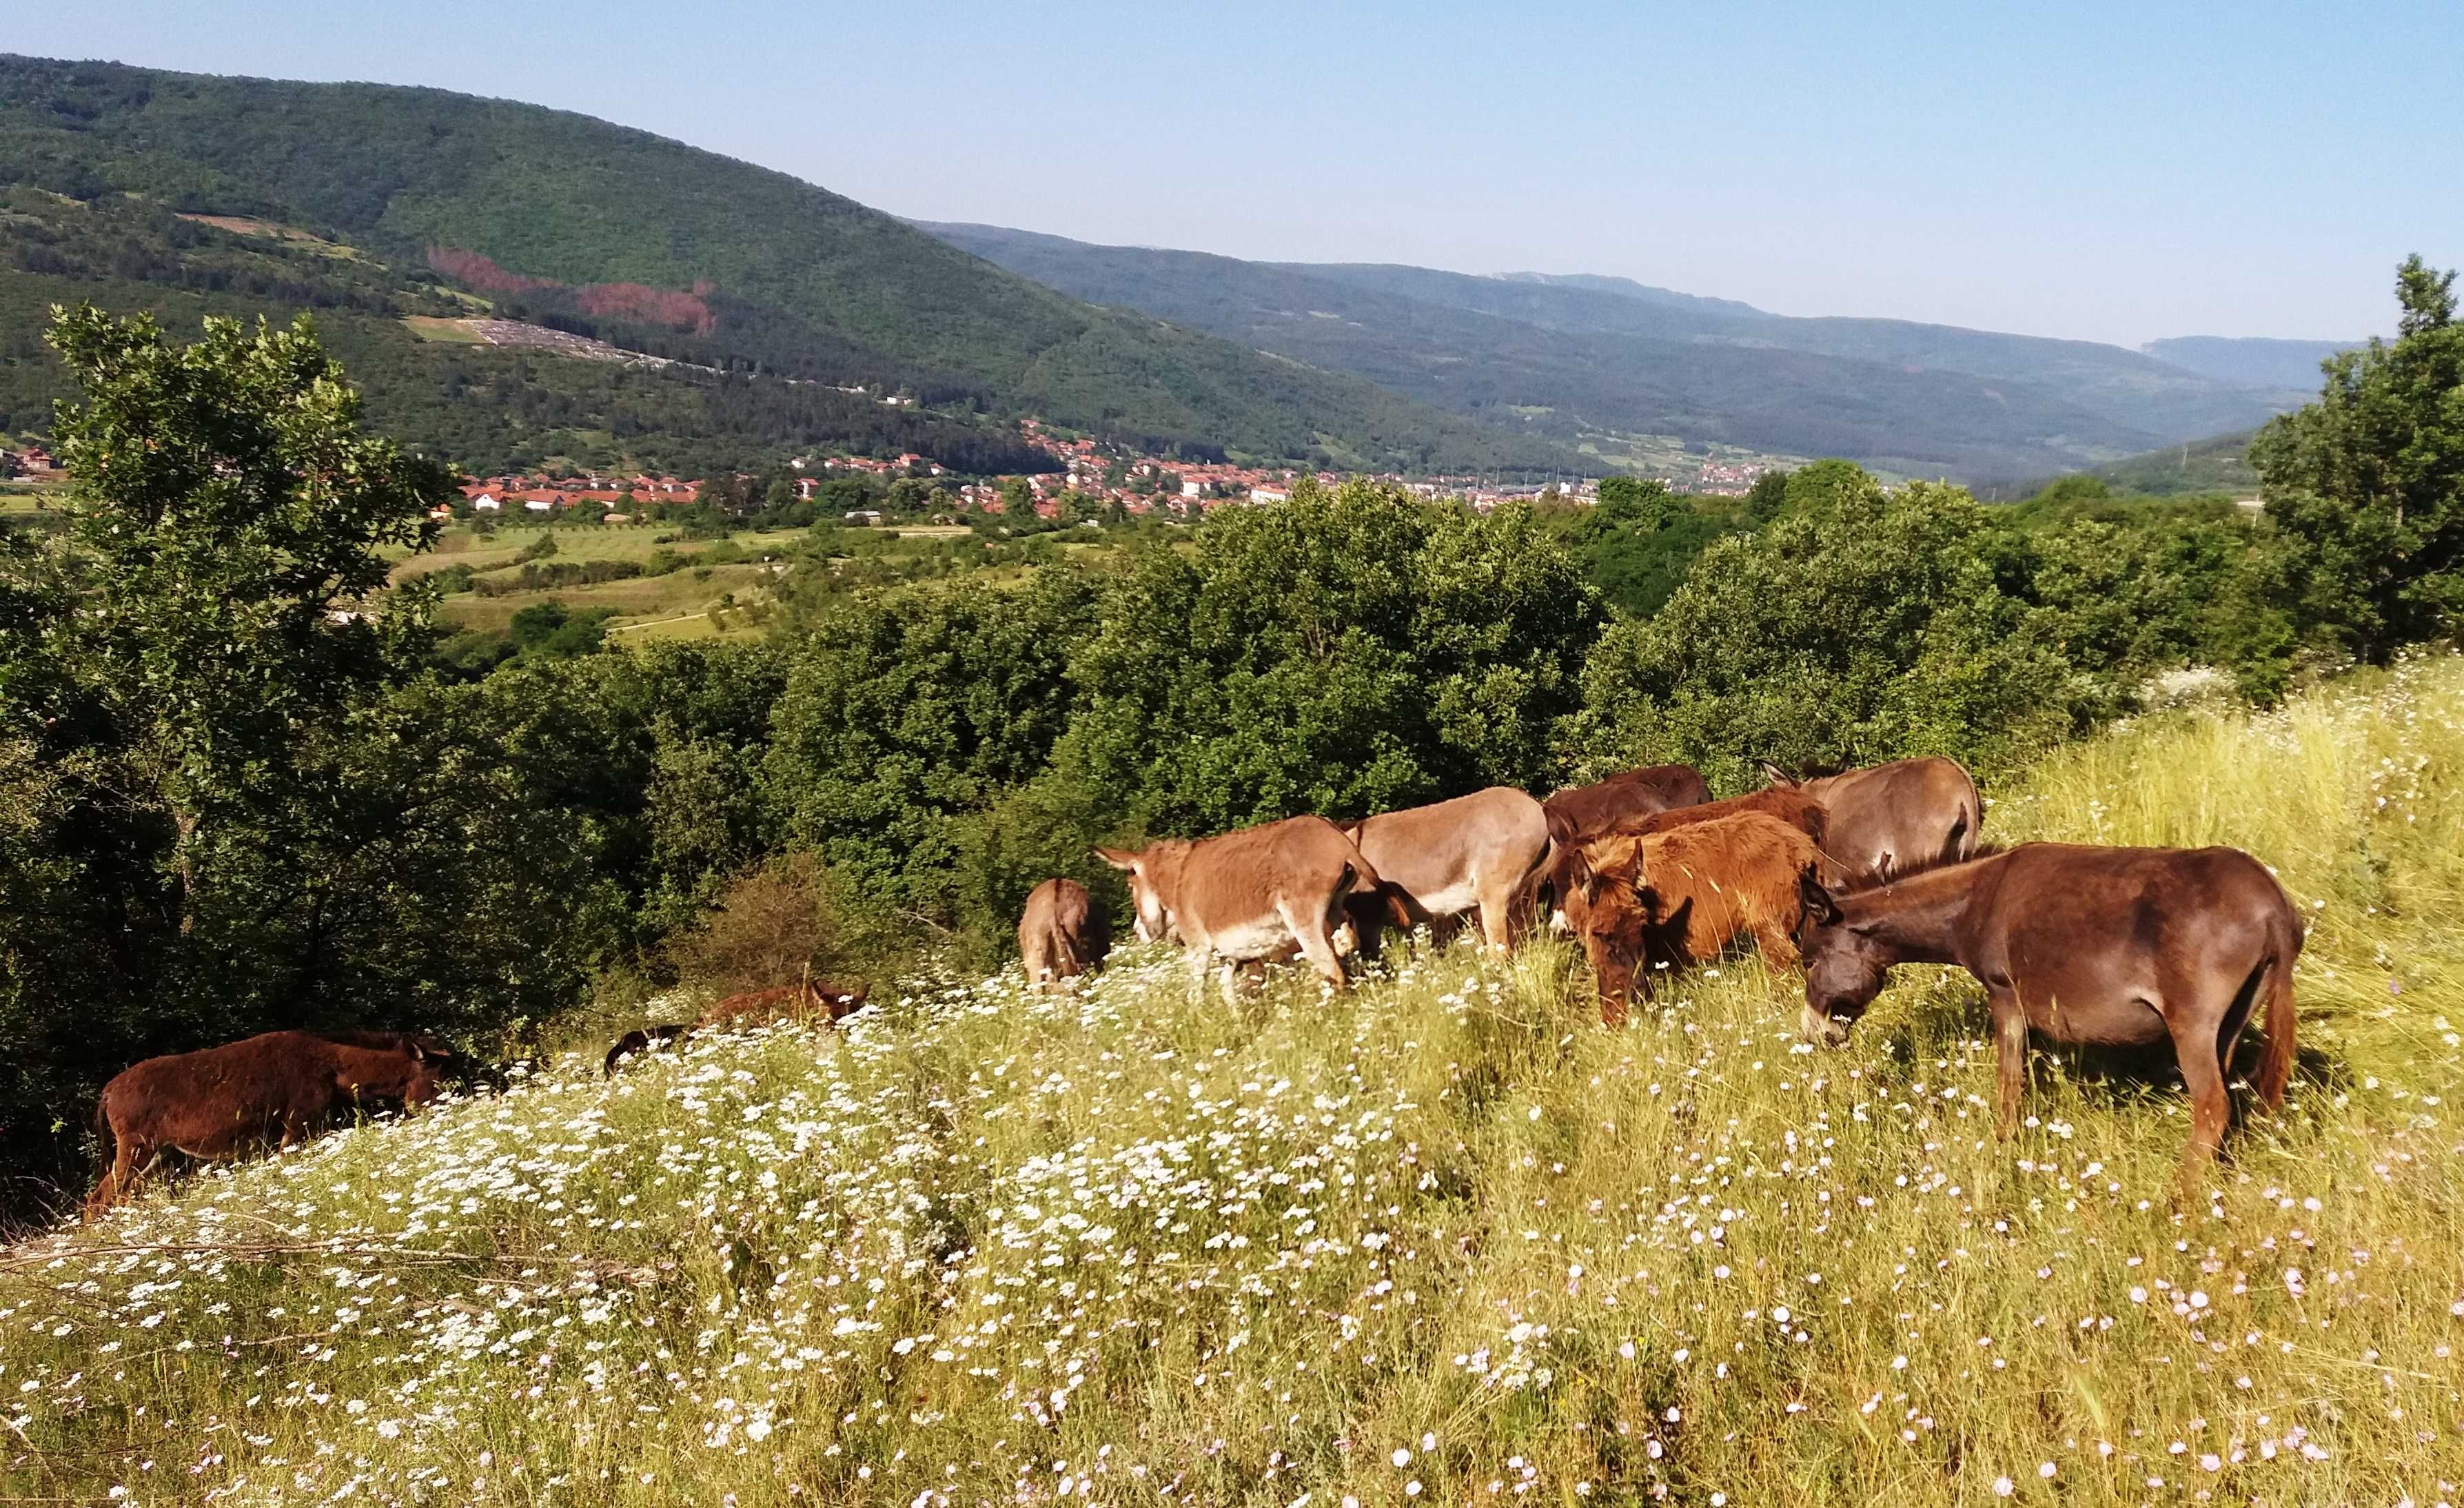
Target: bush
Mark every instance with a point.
(775, 926)
(1862, 630)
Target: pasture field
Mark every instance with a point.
(1442, 1239)
(672, 603)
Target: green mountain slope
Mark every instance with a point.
(1603, 355)
(733, 264)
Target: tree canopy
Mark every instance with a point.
(2369, 480)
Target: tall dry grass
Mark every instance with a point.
(1442, 1239)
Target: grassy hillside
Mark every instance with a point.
(1439, 1240)
(734, 260)
(1574, 358)
(2218, 465)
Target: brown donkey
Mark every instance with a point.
(270, 1090)
(809, 999)
(1684, 895)
(1891, 820)
(1250, 895)
(1476, 853)
(1061, 933)
(2117, 947)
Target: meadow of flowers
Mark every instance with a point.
(1439, 1239)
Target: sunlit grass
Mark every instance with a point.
(1441, 1239)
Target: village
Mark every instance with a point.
(1088, 474)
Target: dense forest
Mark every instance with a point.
(237, 790)
(708, 259)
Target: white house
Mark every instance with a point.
(484, 503)
(1269, 494)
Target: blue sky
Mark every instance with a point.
(2105, 171)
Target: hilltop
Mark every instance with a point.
(1437, 1239)
(1606, 363)
(653, 246)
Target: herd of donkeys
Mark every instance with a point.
(1843, 875)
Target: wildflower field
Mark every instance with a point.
(1442, 1239)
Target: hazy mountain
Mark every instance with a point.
(1571, 357)
(727, 264)
(2251, 361)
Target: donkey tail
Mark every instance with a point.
(2276, 1059)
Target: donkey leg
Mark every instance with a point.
(2010, 1054)
(2203, 1075)
(1778, 949)
(1313, 933)
(116, 1181)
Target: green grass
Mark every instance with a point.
(451, 331)
(1443, 1230)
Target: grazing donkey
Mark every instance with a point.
(1477, 852)
(1684, 895)
(810, 999)
(1061, 934)
(2119, 947)
(1249, 895)
(1890, 820)
(270, 1090)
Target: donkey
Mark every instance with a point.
(269, 1090)
(1061, 934)
(807, 999)
(1890, 820)
(1565, 861)
(1683, 896)
(2119, 947)
(1477, 852)
(1250, 895)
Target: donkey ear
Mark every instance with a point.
(1117, 858)
(1775, 776)
(1820, 908)
(1581, 876)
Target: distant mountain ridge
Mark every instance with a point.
(1577, 357)
(1628, 288)
(2250, 361)
(743, 266)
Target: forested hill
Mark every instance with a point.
(583, 223)
(1582, 357)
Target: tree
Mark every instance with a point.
(1765, 500)
(226, 524)
(2367, 483)
(1352, 651)
(904, 715)
(1887, 626)
(1637, 543)
(188, 682)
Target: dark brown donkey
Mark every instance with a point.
(1894, 819)
(269, 1090)
(2119, 947)
(1061, 934)
(1580, 812)
(1249, 895)
(1477, 852)
(810, 999)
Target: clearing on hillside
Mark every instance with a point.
(1442, 1239)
